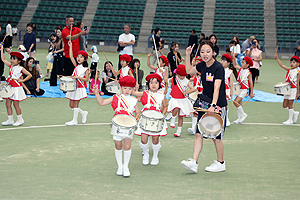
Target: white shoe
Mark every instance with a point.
(296, 114)
(8, 122)
(71, 123)
(287, 122)
(168, 117)
(243, 117)
(216, 167)
(1, 100)
(236, 121)
(18, 122)
(84, 116)
(154, 161)
(126, 173)
(146, 159)
(120, 171)
(227, 123)
(190, 164)
(177, 134)
(172, 123)
(191, 131)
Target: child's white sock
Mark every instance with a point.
(118, 154)
(19, 117)
(194, 123)
(75, 115)
(291, 113)
(127, 156)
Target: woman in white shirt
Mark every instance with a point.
(235, 47)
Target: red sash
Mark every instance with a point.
(245, 84)
(80, 83)
(12, 82)
(292, 78)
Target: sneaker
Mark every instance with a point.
(237, 121)
(177, 134)
(172, 123)
(71, 123)
(227, 123)
(168, 117)
(190, 164)
(296, 115)
(1, 100)
(146, 159)
(8, 122)
(18, 122)
(287, 122)
(126, 172)
(120, 172)
(243, 117)
(216, 167)
(84, 116)
(191, 131)
(154, 161)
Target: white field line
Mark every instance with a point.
(95, 124)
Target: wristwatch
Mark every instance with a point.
(213, 105)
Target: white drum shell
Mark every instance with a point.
(152, 121)
(5, 90)
(113, 87)
(210, 126)
(283, 88)
(67, 84)
(236, 88)
(123, 126)
(193, 97)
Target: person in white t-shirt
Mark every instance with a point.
(235, 46)
(15, 32)
(9, 33)
(126, 42)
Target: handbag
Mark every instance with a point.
(202, 102)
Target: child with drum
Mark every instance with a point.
(179, 104)
(14, 82)
(125, 70)
(81, 73)
(293, 78)
(245, 80)
(124, 106)
(152, 121)
(107, 76)
(92, 82)
(226, 62)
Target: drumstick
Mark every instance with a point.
(231, 103)
(3, 39)
(70, 31)
(96, 75)
(113, 79)
(176, 60)
(203, 110)
(105, 56)
(247, 101)
(295, 103)
(197, 50)
(137, 76)
(158, 50)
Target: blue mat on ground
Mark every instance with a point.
(55, 92)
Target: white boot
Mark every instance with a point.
(172, 123)
(75, 116)
(156, 149)
(118, 154)
(227, 119)
(193, 129)
(127, 155)
(145, 148)
(178, 132)
(20, 121)
(83, 114)
(10, 121)
(290, 120)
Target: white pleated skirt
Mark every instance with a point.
(19, 94)
(78, 94)
(185, 106)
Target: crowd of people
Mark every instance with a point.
(199, 73)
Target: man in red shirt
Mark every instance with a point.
(76, 32)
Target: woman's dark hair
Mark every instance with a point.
(213, 35)
(173, 45)
(209, 43)
(105, 66)
(85, 63)
(230, 63)
(233, 42)
(156, 30)
(58, 38)
(132, 63)
(294, 59)
(33, 69)
(78, 24)
(237, 40)
(148, 82)
(93, 74)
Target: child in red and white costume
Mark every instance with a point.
(179, 103)
(226, 61)
(122, 104)
(161, 71)
(15, 81)
(245, 80)
(81, 73)
(292, 77)
(125, 70)
(152, 100)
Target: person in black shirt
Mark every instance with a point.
(213, 39)
(213, 80)
(158, 44)
(193, 39)
(174, 58)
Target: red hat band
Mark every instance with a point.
(248, 60)
(165, 59)
(85, 54)
(125, 57)
(297, 58)
(227, 56)
(181, 70)
(17, 54)
(127, 81)
(154, 75)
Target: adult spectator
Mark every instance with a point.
(126, 42)
(14, 32)
(9, 34)
(256, 55)
(213, 38)
(82, 38)
(193, 39)
(158, 43)
(247, 43)
(202, 35)
(235, 46)
(58, 62)
(32, 86)
(150, 39)
(297, 52)
(7, 49)
(174, 57)
(29, 43)
(75, 33)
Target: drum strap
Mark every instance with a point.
(77, 73)
(163, 84)
(180, 86)
(151, 100)
(125, 105)
(292, 77)
(13, 82)
(243, 79)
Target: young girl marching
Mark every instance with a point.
(122, 104)
(292, 77)
(125, 70)
(226, 62)
(81, 73)
(15, 81)
(161, 71)
(179, 103)
(152, 100)
(245, 80)
(93, 81)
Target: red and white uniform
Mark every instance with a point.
(198, 84)
(291, 77)
(244, 81)
(15, 72)
(228, 73)
(178, 100)
(80, 92)
(152, 101)
(163, 84)
(124, 71)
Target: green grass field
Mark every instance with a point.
(43, 159)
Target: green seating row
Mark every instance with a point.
(239, 18)
(60, 10)
(181, 4)
(114, 25)
(248, 6)
(126, 7)
(11, 13)
(287, 19)
(18, 2)
(63, 4)
(50, 16)
(239, 30)
(238, 24)
(117, 13)
(287, 32)
(180, 9)
(134, 2)
(287, 13)
(12, 7)
(241, 1)
(287, 25)
(286, 38)
(240, 12)
(4, 19)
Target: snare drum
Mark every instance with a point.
(210, 126)
(5, 90)
(123, 126)
(67, 84)
(113, 87)
(193, 97)
(283, 88)
(236, 88)
(152, 121)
